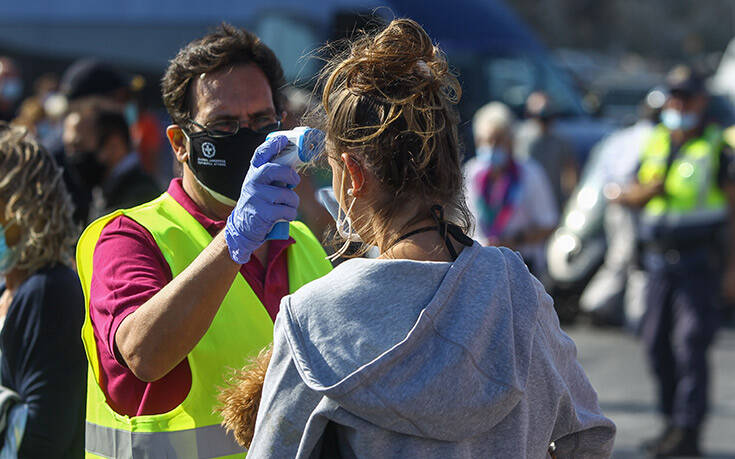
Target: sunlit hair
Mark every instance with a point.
(494, 114)
(389, 101)
(224, 47)
(36, 199)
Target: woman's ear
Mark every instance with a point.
(356, 173)
(177, 139)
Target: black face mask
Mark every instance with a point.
(221, 163)
(88, 167)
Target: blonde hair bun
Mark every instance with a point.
(400, 62)
(390, 99)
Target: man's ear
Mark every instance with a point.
(356, 173)
(178, 142)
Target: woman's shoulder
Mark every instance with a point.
(506, 270)
(50, 297)
(365, 280)
(342, 278)
(57, 282)
(57, 275)
(508, 259)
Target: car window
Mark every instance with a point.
(293, 40)
(510, 79)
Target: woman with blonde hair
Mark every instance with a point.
(41, 302)
(440, 347)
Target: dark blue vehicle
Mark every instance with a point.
(496, 55)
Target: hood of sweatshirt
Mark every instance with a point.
(436, 350)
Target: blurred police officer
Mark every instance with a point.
(685, 189)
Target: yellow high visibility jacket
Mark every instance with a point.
(239, 330)
(692, 195)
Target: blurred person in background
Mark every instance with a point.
(146, 132)
(11, 88)
(685, 190)
(84, 80)
(30, 115)
(50, 128)
(41, 305)
(537, 140)
(615, 294)
(183, 288)
(99, 149)
(511, 200)
(92, 78)
(41, 113)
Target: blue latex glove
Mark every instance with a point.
(261, 203)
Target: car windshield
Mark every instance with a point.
(293, 41)
(510, 78)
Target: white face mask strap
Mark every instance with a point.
(339, 207)
(349, 220)
(346, 245)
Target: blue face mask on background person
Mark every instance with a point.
(676, 120)
(11, 89)
(495, 156)
(131, 113)
(7, 254)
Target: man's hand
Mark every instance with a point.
(638, 195)
(261, 203)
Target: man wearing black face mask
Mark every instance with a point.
(169, 311)
(99, 152)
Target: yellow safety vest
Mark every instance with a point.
(692, 195)
(239, 330)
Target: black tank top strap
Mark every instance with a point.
(444, 228)
(425, 229)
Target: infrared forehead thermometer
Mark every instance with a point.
(304, 144)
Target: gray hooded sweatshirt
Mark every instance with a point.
(398, 358)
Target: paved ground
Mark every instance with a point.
(615, 363)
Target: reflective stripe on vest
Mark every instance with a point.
(223, 347)
(209, 441)
(690, 182)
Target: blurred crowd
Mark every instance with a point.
(656, 196)
(661, 192)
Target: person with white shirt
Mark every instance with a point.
(512, 201)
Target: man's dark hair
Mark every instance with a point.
(110, 123)
(225, 47)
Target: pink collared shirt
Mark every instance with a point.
(129, 268)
